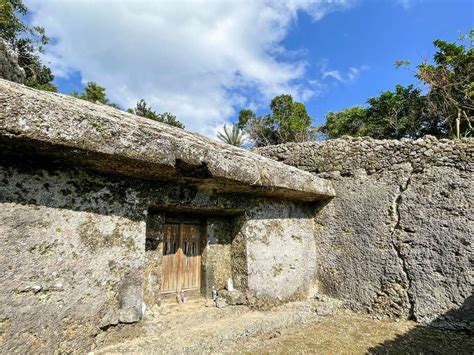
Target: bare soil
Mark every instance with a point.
(298, 327)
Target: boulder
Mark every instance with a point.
(233, 298)
(108, 140)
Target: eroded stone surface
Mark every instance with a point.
(9, 68)
(281, 253)
(78, 254)
(397, 239)
(435, 234)
(110, 140)
(64, 261)
(100, 174)
(234, 297)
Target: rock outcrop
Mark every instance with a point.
(9, 68)
(109, 140)
(85, 193)
(397, 239)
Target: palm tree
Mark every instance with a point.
(234, 136)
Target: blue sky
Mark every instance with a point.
(204, 61)
(374, 34)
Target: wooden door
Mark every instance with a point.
(191, 260)
(181, 266)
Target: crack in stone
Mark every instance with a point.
(396, 247)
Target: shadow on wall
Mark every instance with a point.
(55, 185)
(47, 184)
(426, 339)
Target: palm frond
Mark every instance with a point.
(232, 136)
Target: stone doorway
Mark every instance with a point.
(191, 251)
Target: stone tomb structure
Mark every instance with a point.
(102, 211)
(103, 214)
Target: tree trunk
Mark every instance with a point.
(458, 125)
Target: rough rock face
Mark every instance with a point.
(9, 68)
(283, 265)
(69, 265)
(85, 190)
(233, 298)
(110, 140)
(397, 239)
(75, 254)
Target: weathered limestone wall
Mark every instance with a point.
(397, 239)
(70, 261)
(222, 244)
(105, 139)
(84, 192)
(9, 68)
(81, 251)
(281, 250)
(153, 259)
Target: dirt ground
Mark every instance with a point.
(299, 327)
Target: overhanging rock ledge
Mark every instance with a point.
(109, 140)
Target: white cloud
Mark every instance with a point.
(332, 74)
(351, 74)
(201, 60)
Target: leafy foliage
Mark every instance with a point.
(142, 109)
(169, 118)
(94, 93)
(233, 136)
(393, 114)
(347, 122)
(451, 82)
(446, 110)
(288, 122)
(27, 41)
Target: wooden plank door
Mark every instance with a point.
(181, 265)
(191, 261)
(171, 258)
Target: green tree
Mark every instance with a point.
(393, 114)
(142, 109)
(288, 122)
(94, 93)
(233, 136)
(350, 122)
(27, 41)
(450, 79)
(396, 114)
(169, 118)
(446, 110)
